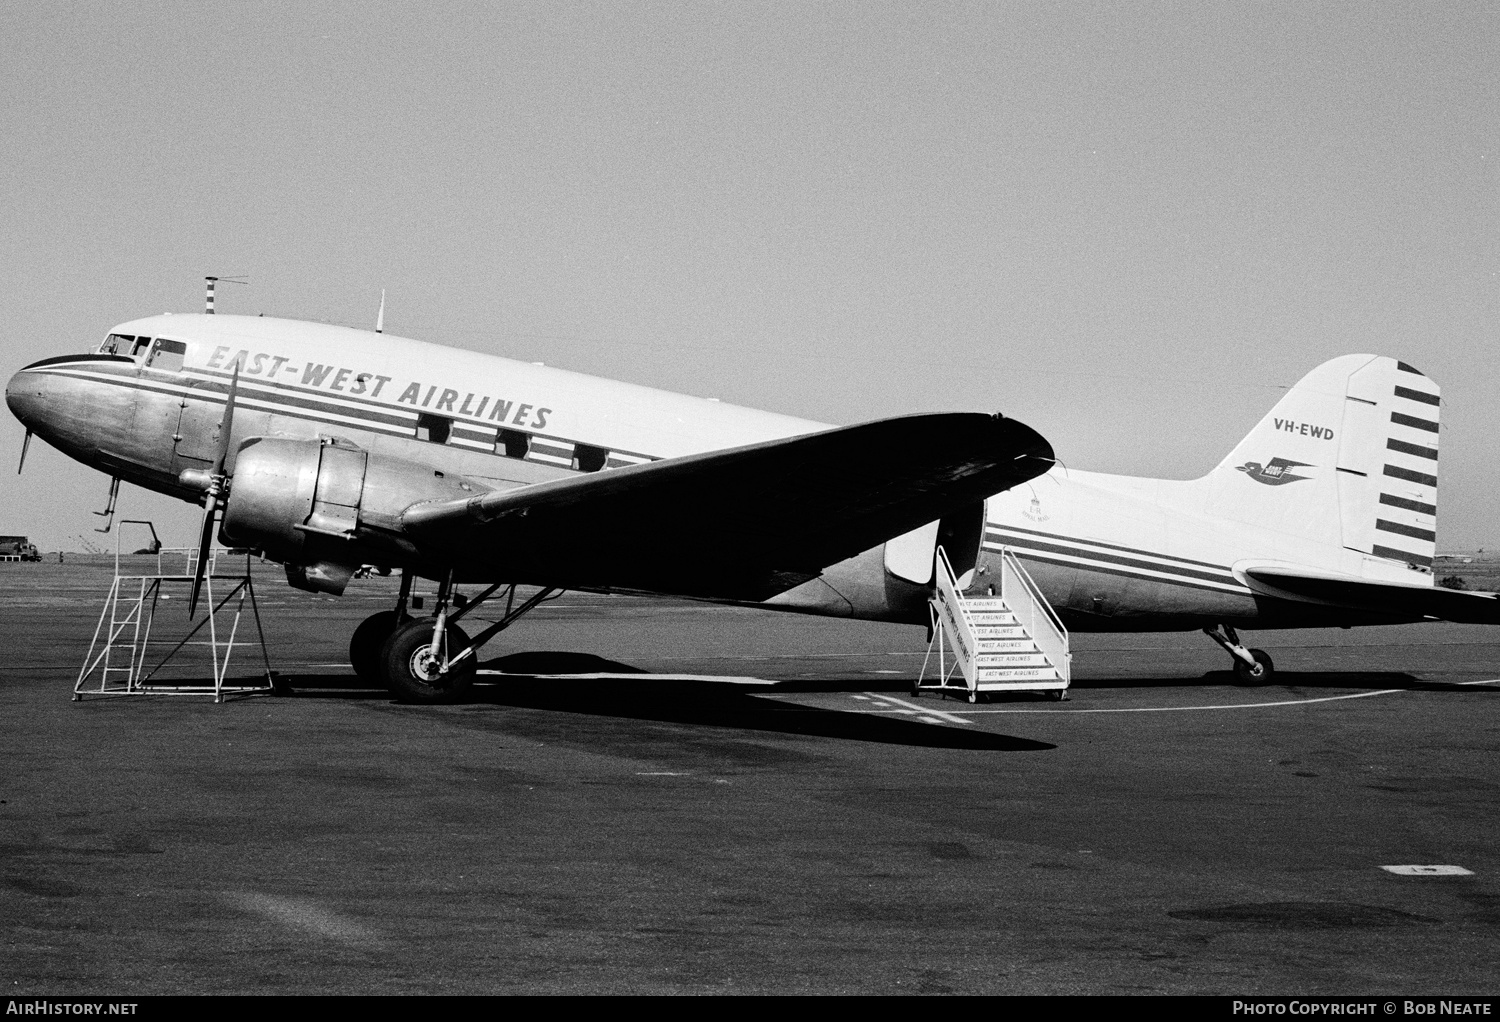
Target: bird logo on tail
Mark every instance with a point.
(1276, 473)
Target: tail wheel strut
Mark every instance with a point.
(1251, 666)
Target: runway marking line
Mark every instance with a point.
(1429, 871)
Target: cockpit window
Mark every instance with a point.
(125, 344)
(116, 344)
(167, 356)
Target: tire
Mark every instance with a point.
(367, 642)
(407, 665)
(1260, 674)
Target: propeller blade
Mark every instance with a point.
(205, 541)
(227, 422)
(218, 483)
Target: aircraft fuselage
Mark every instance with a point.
(1110, 553)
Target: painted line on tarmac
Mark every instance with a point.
(1229, 706)
(727, 679)
(902, 706)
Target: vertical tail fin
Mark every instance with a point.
(1345, 466)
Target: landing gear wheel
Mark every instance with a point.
(368, 640)
(413, 673)
(1260, 674)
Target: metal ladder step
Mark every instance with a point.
(1021, 645)
(1003, 674)
(986, 661)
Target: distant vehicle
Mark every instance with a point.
(16, 548)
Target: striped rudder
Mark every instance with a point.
(1345, 468)
(1388, 469)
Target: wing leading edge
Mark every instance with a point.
(743, 524)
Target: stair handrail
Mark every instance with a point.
(963, 634)
(1051, 640)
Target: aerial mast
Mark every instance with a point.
(208, 299)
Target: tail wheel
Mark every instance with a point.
(1260, 674)
(413, 670)
(367, 642)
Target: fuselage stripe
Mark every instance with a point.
(1222, 575)
(1053, 537)
(1065, 561)
(371, 416)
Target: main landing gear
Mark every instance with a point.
(431, 660)
(1251, 666)
(371, 635)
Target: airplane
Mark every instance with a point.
(328, 448)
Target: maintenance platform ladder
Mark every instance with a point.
(116, 663)
(1010, 641)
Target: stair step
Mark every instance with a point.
(985, 661)
(999, 632)
(1023, 645)
(983, 603)
(1007, 674)
(989, 617)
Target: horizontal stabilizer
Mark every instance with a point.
(1412, 602)
(745, 523)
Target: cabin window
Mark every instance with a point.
(589, 459)
(167, 356)
(513, 443)
(435, 429)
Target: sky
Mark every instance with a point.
(1131, 226)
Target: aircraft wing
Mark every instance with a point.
(744, 523)
(1382, 597)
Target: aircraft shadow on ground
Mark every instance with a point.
(690, 702)
(556, 681)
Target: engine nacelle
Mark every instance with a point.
(324, 507)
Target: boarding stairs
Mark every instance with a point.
(134, 622)
(1005, 641)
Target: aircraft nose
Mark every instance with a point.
(22, 397)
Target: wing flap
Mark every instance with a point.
(744, 523)
(1393, 598)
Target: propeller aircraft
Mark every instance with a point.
(327, 448)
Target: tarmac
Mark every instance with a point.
(802, 824)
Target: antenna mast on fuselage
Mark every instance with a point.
(208, 300)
